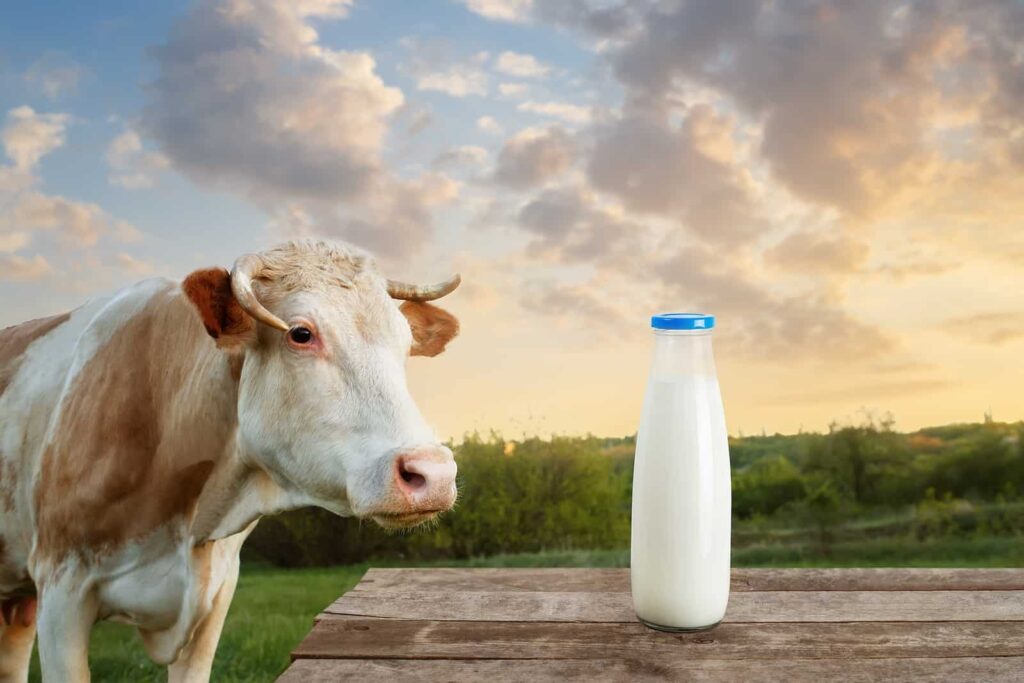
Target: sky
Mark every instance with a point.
(841, 184)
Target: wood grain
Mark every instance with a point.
(761, 607)
(409, 639)
(796, 625)
(915, 670)
(617, 580)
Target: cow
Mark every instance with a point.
(144, 434)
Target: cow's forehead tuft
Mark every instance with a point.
(308, 264)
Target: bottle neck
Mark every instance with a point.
(681, 353)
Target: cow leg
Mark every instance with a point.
(196, 659)
(67, 612)
(16, 641)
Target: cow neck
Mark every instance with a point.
(237, 492)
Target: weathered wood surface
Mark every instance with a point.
(775, 606)
(384, 638)
(915, 670)
(554, 624)
(617, 580)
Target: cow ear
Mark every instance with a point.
(209, 290)
(432, 327)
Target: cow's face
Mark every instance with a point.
(323, 405)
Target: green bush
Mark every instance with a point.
(765, 486)
(820, 490)
(528, 496)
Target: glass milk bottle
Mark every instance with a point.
(682, 496)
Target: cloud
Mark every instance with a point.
(132, 166)
(567, 303)
(873, 392)
(653, 167)
(521, 65)
(810, 251)
(248, 98)
(765, 324)
(514, 90)
(13, 241)
(14, 268)
(489, 125)
(570, 224)
(434, 68)
(604, 20)
(80, 223)
(919, 268)
(502, 10)
(419, 119)
(390, 219)
(134, 265)
(54, 75)
(457, 80)
(990, 329)
(534, 156)
(571, 113)
(461, 156)
(850, 98)
(29, 136)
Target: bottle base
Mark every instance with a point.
(678, 629)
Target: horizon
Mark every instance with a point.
(763, 434)
(842, 185)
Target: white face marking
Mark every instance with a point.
(326, 418)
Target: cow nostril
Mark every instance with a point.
(415, 480)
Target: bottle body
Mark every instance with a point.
(682, 494)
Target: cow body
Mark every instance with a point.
(132, 466)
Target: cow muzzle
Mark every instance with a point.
(423, 485)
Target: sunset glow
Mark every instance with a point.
(841, 184)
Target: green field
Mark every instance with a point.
(274, 608)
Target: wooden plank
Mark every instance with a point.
(761, 607)
(408, 639)
(617, 580)
(948, 670)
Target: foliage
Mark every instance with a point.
(525, 496)
(823, 490)
(765, 486)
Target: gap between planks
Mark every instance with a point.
(424, 639)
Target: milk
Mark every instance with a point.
(681, 486)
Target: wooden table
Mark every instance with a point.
(794, 625)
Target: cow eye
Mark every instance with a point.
(300, 335)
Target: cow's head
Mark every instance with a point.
(323, 405)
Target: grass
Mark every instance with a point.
(274, 608)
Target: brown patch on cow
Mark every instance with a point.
(18, 612)
(235, 362)
(363, 326)
(432, 327)
(138, 434)
(14, 341)
(223, 317)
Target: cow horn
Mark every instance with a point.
(245, 268)
(408, 292)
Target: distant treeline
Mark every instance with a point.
(574, 493)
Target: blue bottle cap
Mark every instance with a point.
(682, 321)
